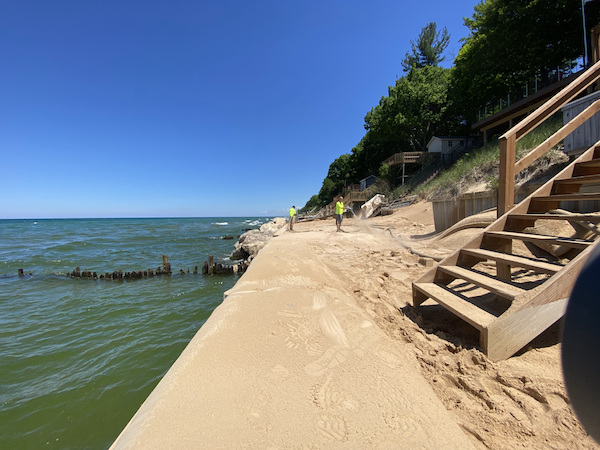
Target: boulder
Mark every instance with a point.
(273, 226)
(251, 242)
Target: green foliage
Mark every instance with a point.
(511, 42)
(484, 160)
(385, 172)
(314, 202)
(428, 49)
(421, 100)
(328, 191)
(405, 120)
(342, 171)
(400, 191)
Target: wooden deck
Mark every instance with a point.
(405, 158)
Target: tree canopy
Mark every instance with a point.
(513, 41)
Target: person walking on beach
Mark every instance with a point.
(339, 213)
(292, 215)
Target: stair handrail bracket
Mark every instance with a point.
(508, 165)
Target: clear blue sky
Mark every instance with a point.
(192, 108)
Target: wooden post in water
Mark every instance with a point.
(166, 264)
(211, 267)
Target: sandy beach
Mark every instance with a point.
(317, 346)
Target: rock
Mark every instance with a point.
(251, 242)
(273, 226)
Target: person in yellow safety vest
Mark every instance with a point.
(339, 213)
(292, 215)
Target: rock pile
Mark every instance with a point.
(251, 242)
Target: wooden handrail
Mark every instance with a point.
(508, 141)
(562, 133)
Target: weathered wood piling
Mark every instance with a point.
(209, 268)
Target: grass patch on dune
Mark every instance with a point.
(481, 165)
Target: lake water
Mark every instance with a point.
(79, 356)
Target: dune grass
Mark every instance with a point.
(481, 164)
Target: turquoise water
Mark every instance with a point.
(79, 356)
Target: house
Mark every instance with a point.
(366, 182)
(447, 145)
(588, 133)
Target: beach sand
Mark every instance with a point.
(316, 346)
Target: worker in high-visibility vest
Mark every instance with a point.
(292, 215)
(339, 213)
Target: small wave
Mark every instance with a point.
(221, 223)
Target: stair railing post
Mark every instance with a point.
(506, 188)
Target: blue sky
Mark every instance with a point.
(192, 108)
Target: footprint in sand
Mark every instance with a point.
(300, 335)
(332, 427)
(333, 357)
(329, 395)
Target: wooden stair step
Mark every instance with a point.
(490, 283)
(536, 265)
(470, 313)
(559, 240)
(584, 179)
(568, 197)
(568, 217)
(591, 163)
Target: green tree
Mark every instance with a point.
(428, 49)
(511, 42)
(314, 202)
(328, 190)
(422, 102)
(386, 173)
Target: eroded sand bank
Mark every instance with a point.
(315, 347)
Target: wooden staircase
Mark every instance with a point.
(502, 282)
(507, 312)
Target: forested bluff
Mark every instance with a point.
(511, 45)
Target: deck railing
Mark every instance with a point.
(404, 158)
(509, 167)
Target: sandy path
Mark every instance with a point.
(290, 360)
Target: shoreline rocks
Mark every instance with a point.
(251, 242)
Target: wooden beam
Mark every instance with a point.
(506, 189)
(558, 136)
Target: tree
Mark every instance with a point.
(341, 173)
(428, 49)
(511, 42)
(422, 102)
(328, 191)
(314, 202)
